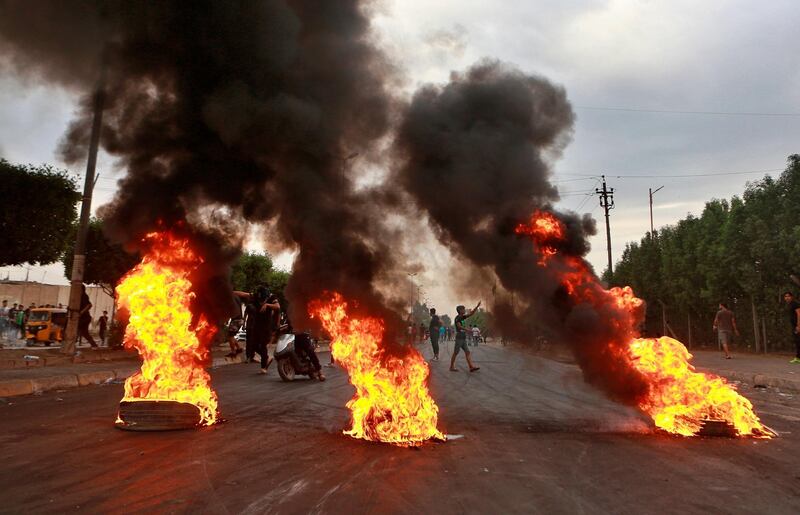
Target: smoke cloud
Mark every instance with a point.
(250, 106)
(484, 140)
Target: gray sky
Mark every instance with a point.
(714, 56)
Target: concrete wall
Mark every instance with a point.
(40, 294)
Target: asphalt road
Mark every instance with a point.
(535, 440)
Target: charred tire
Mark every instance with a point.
(285, 369)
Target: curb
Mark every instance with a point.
(761, 380)
(17, 387)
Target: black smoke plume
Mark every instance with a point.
(484, 139)
(247, 107)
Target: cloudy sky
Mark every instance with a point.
(662, 88)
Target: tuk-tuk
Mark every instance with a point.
(45, 325)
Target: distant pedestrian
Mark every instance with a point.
(4, 321)
(85, 318)
(102, 324)
(793, 308)
(476, 335)
(725, 325)
(433, 328)
(442, 332)
(461, 338)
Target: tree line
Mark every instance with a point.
(38, 225)
(744, 251)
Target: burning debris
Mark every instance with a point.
(667, 388)
(392, 403)
(157, 296)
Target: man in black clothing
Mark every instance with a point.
(85, 318)
(433, 329)
(102, 324)
(461, 338)
(793, 308)
(260, 322)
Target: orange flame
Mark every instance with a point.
(392, 403)
(157, 294)
(545, 229)
(678, 398)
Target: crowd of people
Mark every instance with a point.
(14, 320)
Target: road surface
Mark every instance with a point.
(535, 440)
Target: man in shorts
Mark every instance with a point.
(461, 338)
(725, 325)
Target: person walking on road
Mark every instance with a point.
(433, 329)
(85, 318)
(725, 325)
(793, 307)
(102, 324)
(461, 338)
(260, 318)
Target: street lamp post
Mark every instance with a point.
(651, 191)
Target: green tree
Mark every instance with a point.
(743, 251)
(252, 270)
(36, 213)
(106, 262)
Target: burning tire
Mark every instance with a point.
(285, 369)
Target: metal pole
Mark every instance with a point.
(79, 261)
(755, 323)
(689, 317)
(652, 192)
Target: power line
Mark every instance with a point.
(676, 111)
(674, 176)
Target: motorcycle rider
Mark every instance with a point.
(302, 342)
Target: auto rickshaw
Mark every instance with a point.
(45, 325)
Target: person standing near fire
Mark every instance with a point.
(85, 318)
(461, 338)
(260, 322)
(793, 308)
(433, 329)
(102, 327)
(725, 325)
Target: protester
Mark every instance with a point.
(85, 318)
(442, 332)
(260, 323)
(102, 327)
(4, 321)
(461, 338)
(725, 325)
(433, 328)
(793, 307)
(21, 321)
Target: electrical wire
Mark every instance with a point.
(677, 111)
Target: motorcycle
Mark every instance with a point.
(291, 359)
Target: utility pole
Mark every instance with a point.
(651, 206)
(79, 261)
(607, 203)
